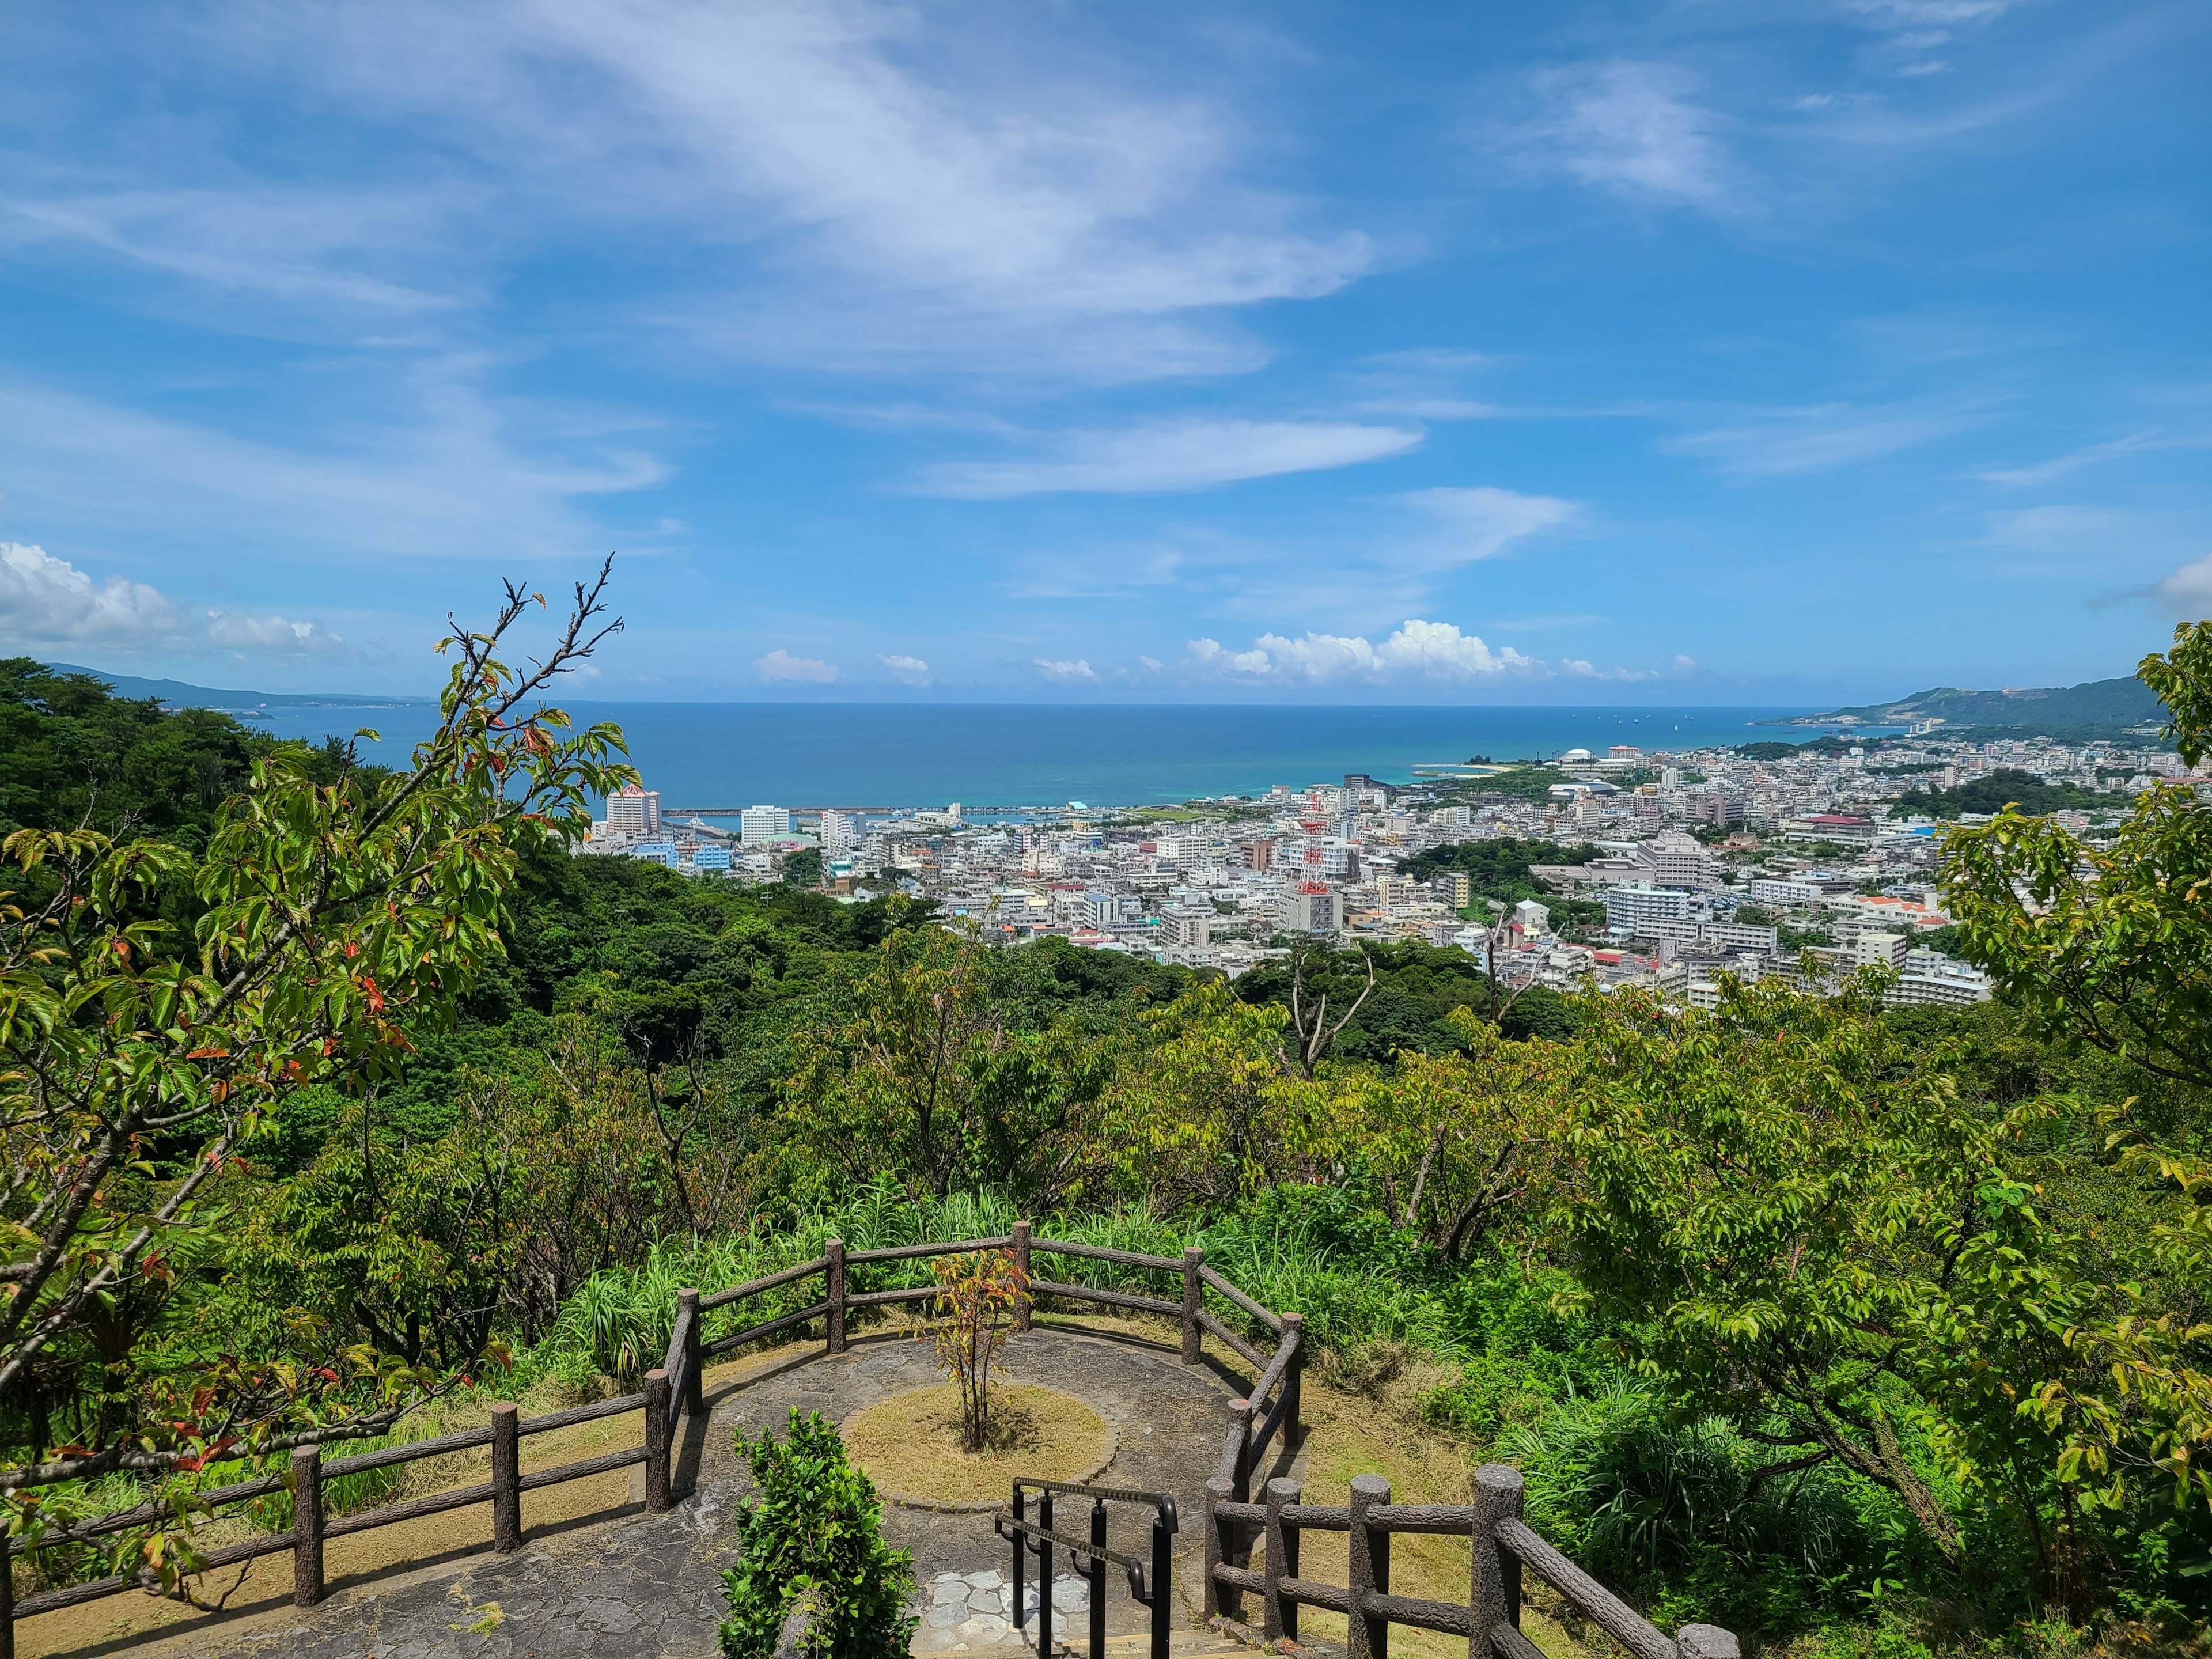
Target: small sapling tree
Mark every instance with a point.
(976, 1295)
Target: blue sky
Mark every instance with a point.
(1722, 352)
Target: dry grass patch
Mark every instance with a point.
(1376, 1430)
(909, 1445)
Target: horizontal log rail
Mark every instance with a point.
(1491, 1616)
(1100, 1253)
(673, 1390)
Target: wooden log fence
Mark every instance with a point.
(674, 1390)
(1490, 1620)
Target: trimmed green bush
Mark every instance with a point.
(815, 1526)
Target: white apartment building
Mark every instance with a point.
(1955, 987)
(1640, 905)
(1765, 889)
(1311, 907)
(635, 810)
(1881, 950)
(841, 832)
(1104, 910)
(1675, 860)
(1744, 936)
(758, 825)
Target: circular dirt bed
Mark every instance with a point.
(909, 1445)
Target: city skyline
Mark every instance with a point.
(1712, 354)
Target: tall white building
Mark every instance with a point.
(841, 833)
(759, 825)
(1880, 950)
(1640, 905)
(1676, 859)
(635, 810)
(1311, 907)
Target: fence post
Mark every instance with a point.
(505, 1476)
(8, 1599)
(1368, 1637)
(1045, 1608)
(1163, 1573)
(1220, 1599)
(1282, 1615)
(1493, 1597)
(1021, 1612)
(1096, 1571)
(1021, 1276)
(306, 1526)
(1239, 1415)
(658, 1439)
(694, 1393)
(836, 1277)
(1194, 1257)
(1293, 1376)
(1706, 1642)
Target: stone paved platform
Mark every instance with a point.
(644, 1585)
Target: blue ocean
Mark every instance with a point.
(983, 755)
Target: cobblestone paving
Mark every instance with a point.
(651, 1584)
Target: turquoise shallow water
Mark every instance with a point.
(722, 755)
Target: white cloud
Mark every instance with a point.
(296, 246)
(911, 670)
(273, 636)
(46, 603)
(1634, 129)
(452, 473)
(1150, 665)
(45, 600)
(849, 183)
(1075, 672)
(1816, 440)
(1479, 523)
(2185, 594)
(1172, 455)
(780, 667)
(2065, 529)
(2135, 443)
(1436, 652)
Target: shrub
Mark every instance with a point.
(815, 1528)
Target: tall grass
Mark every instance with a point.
(618, 1324)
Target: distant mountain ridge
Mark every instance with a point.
(177, 694)
(2104, 705)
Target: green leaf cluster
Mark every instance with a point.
(814, 1531)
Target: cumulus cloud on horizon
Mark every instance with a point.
(46, 602)
(1437, 652)
(1073, 671)
(910, 671)
(780, 667)
(1419, 650)
(2185, 593)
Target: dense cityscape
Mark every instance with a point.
(1664, 869)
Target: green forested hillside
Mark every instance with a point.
(2095, 707)
(1863, 1332)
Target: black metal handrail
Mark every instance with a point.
(1152, 1590)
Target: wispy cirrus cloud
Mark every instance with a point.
(1635, 129)
(2096, 454)
(454, 473)
(1170, 455)
(1467, 524)
(849, 188)
(1822, 438)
